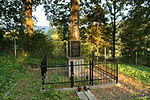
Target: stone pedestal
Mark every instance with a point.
(78, 68)
(74, 55)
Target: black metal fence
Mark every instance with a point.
(95, 72)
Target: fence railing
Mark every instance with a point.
(94, 72)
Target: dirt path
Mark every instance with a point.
(130, 88)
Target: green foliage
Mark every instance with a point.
(134, 31)
(135, 58)
(30, 61)
(40, 44)
(139, 72)
(13, 18)
(55, 95)
(115, 8)
(29, 88)
(59, 17)
(11, 13)
(142, 98)
(134, 38)
(12, 34)
(10, 72)
(94, 32)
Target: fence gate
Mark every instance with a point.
(93, 72)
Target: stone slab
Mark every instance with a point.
(90, 95)
(81, 95)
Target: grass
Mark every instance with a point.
(29, 84)
(142, 98)
(29, 89)
(56, 77)
(10, 72)
(57, 61)
(139, 72)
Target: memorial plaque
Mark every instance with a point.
(74, 49)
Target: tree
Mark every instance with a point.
(14, 14)
(90, 12)
(11, 18)
(59, 17)
(114, 8)
(74, 20)
(134, 32)
(28, 15)
(95, 30)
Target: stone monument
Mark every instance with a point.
(74, 43)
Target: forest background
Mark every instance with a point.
(111, 28)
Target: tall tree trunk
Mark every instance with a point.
(114, 30)
(74, 20)
(28, 15)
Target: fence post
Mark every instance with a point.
(116, 72)
(136, 58)
(92, 71)
(106, 64)
(72, 75)
(43, 82)
(43, 70)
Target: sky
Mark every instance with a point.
(40, 16)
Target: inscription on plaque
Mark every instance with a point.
(74, 49)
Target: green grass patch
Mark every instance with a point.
(29, 89)
(10, 72)
(29, 84)
(34, 62)
(57, 61)
(139, 72)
